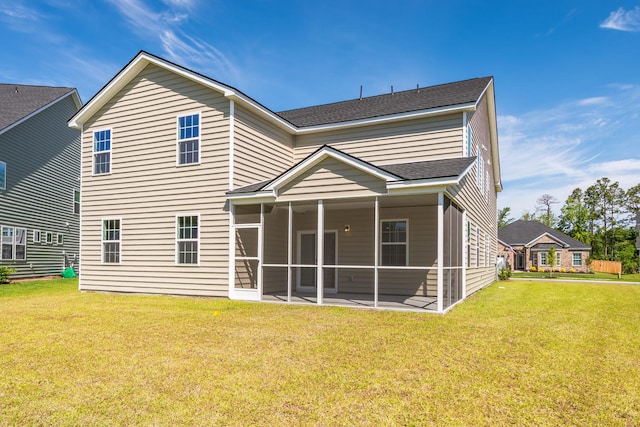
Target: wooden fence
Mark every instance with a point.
(614, 267)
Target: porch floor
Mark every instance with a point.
(386, 302)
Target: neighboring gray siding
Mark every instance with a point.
(43, 168)
(147, 190)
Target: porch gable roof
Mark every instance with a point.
(397, 176)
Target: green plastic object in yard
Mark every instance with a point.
(68, 273)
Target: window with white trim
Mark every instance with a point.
(189, 139)
(37, 236)
(111, 240)
(477, 246)
(3, 176)
(394, 243)
(558, 258)
(49, 238)
(102, 152)
(543, 258)
(187, 239)
(13, 243)
(576, 260)
(486, 250)
(60, 239)
(76, 201)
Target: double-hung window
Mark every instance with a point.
(3, 176)
(76, 202)
(111, 239)
(13, 243)
(102, 152)
(394, 243)
(576, 260)
(187, 239)
(37, 236)
(543, 258)
(189, 139)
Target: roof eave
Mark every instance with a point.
(470, 106)
(143, 59)
(73, 93)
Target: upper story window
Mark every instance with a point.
(76, 202)
(3, 176)
(102, 152)
(189, 139)
(394, 244)
(188, 240)
(13, 243)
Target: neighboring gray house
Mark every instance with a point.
(524, 244)
(39, 179)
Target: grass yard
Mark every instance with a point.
(635, 277)
(517, 353)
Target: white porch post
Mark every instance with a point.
(320, 252)
(260, 251)
(376, 250)
(440, 252)
(289, 252)
(465, 257)
(232, 249)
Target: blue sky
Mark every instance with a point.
(567, 73)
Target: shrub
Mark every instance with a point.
(533, 268)
(504, 273)
(563, 270)
(5, 272)
(572, 270)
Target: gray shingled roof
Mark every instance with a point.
(431, 169)
(18, 101)
(522, 232)
(426, 98)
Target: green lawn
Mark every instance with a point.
(578, 276)
(517, 353)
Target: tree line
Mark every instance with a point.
(602, 216)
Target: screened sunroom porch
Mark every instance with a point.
(372, 252)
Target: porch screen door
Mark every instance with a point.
(307, 256)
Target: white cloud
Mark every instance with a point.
(568, 146)
(623, 20)
(178, 46)
(593, 101)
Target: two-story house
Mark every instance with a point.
(39, 179)
(191, 187)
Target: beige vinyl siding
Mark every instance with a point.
(394, 142)
(481, 209)
(332, 178)
(262, 151)
(147, 190)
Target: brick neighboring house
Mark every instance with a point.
(523, 244)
